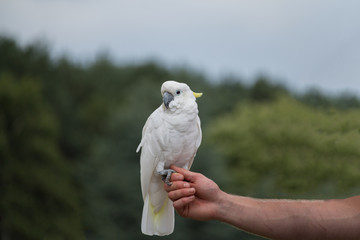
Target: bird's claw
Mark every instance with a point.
(166, 175)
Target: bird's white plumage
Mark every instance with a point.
(170, 136)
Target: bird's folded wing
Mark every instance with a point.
(199, 137)
(197, 141)
(152, 142)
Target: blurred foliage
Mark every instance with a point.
(286, 149)
(68, 134)
(37, 197)
(317, 99)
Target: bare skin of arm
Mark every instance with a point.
(196, 196)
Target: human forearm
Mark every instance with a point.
(198, 197)
(248, 214)
(291, 219)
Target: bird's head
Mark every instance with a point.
(177, 94)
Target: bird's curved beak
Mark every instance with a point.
(197, 95)
(167, 98)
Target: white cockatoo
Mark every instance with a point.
(171, 136)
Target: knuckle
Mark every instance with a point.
(180, 185)
(176, 177)
(176, 185)
(167, 188)
(172, 195)
(176, 205)
(199, 175)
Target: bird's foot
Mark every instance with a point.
(166, 175)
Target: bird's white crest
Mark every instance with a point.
(171, 136)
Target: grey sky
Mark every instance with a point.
(304, 43)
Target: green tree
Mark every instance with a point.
(83, 123)
(38, 200)
(286, 149)
(317, 99)
(264, 90)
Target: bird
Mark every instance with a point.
(171, 136)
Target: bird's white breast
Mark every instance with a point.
(183, 131)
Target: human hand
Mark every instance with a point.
(194, 195)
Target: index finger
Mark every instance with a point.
(176, 177)
(187, 175)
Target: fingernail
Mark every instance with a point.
(192, 190)
(186, 185)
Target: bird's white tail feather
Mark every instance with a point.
(160, 223)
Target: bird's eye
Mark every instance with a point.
(178, 92)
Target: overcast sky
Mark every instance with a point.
(304, 43)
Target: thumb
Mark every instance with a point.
(188, 175)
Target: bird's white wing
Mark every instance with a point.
(199, 137)
(152, 143)
(197, 141)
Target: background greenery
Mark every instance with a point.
(68, 134)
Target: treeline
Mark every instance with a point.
(68, 134)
